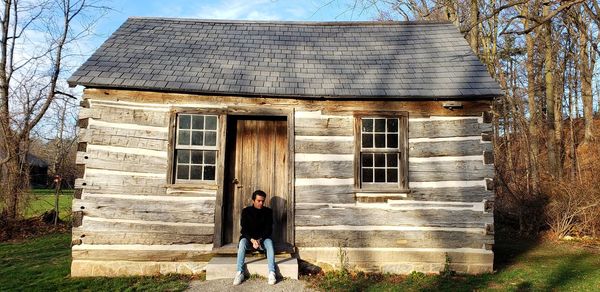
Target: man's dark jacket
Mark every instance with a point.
(257, 223)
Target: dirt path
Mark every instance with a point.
(253, 285)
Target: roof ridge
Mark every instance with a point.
(288, 22)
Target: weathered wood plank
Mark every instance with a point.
(392, 238)
(324, 147)
(124, 115)
(446, 128)
(99, 179)
(449, 170)
(143, 255)
(90, 236)
(109, 160)
(169, 211)
(324, 169)
(324, 126)
(448, 148)
(471, 194)
(317, 215)
(152, 140)
(325, 194)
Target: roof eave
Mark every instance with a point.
(298, 96)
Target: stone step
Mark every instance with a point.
(221, 267)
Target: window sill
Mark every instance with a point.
(379, 196)
(195, 185)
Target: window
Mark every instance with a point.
(382, 145)
(196, 147)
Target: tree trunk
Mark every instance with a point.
(474, 33)
(550, 98)
(533, 109)
(586, 82)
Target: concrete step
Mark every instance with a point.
(221, 267)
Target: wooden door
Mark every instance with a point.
(257, 159)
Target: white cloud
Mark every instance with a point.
(244, 10)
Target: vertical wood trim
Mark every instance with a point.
(357, 141)
(220, 176)
(291, 175)
(404, 144)
(171, 146)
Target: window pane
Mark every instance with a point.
(197, 137)
(196, 157)
(196, 172)
(392, 141)
(367, 175)
(209, 173)
(380, 125)
(198, 122)
(392, 125)
(367, 140)
(210, 138)
(183, 172)
(183, 156)
(367, 125)
(184, 121)
(379, 160)
(367, 159)
(210, 157)
(379, 175)
(211, 123)
(183, 137)
(392, 175)
(392, 160)
(379, 140)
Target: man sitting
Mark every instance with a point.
(257, 226)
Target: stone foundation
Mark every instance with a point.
(402, 261)
(85, 268)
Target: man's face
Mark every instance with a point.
(258, 202)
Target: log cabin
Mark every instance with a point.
(371, 138)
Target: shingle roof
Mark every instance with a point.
(334, 59)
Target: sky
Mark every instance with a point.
(298, 10)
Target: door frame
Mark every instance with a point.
(254, 111)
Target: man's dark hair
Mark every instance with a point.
(258, 193)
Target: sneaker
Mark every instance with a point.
(239, 277)
(272, 279)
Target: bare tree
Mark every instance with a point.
(35, 41)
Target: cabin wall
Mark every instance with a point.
(447, 211)
(129, 221)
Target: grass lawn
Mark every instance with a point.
(43, 200)
(521, 266)
(43, 264)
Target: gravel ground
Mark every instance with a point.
(254, 284)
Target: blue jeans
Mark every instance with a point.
(245, 245)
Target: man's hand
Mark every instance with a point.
(255, 243)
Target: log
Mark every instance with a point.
(324, 169)
(324, 147)
(355, 216)
(449, 171)
(471, 194)
(447, 148)
(108, 160)
(446, 128)
(90, 236)
(143, 253)
(419, 108)
(124, 138)
(392, 238)
(325, 194)
(167, 211)
(114, 114)
(324, 126)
